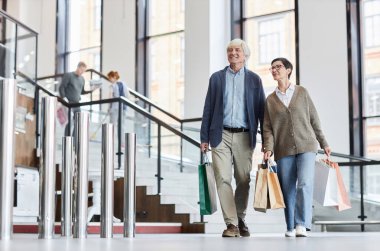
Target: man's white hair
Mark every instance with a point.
(242, 44)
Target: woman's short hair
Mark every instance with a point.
(286, 63)
(113, 74)
(242, 44)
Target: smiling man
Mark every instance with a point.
(233, 108)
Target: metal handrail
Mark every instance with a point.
(147, 101)
(122, 101)
(134, 93)
(351, 157)
(139, 110)
(5, 14)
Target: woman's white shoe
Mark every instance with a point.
(301, 231)
(291, 233)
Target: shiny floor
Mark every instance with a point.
(168, 242)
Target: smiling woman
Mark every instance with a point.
(292, 132)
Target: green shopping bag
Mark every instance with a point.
(207, 191)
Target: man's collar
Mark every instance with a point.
(241, 71)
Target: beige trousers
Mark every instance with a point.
(233, 152)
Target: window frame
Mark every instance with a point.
(63, 36)
(238, 22)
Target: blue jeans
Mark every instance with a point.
(296, 176)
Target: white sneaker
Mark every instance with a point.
(301, 231)
(290, 233)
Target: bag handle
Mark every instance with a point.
(205, 158)
(270, 166)
(328, 162)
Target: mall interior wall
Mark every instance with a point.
(119, 39)
(323, 66)
(207, 33)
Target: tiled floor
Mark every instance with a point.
(168, 242)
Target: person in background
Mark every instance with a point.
(233, 108)
(292, 131)
(72, 87)
(119, 89)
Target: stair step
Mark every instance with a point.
(175, 199)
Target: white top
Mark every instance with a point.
(287, 96)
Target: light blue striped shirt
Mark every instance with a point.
(235, 112)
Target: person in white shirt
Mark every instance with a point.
(119, 89)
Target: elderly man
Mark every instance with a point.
(233, 107)
(72, 86)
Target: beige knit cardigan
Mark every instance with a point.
(294, 129)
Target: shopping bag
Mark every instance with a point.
(325, 184)
(343, 198)
(276, 198)
(260, 201)
(62, 115)
(207, 190)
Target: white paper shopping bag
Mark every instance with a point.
(325, 184)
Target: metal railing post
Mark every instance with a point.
(362, 215)
(119, 134)
(67, 185)
(47, 170)
(81, 174)
(201, 161)
(181, 150)
(129, 185)
(158, 175)
(37, 112)
(7, 160)
(149, 133)
(68, 126)
(106, 215)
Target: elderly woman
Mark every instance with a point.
(292, 132)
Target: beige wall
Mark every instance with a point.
(323, 66)
(206, 37)
(119, 39)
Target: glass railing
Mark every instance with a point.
(158, 151)
(18, 49)
(94, 77)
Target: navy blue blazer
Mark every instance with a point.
(212, 119)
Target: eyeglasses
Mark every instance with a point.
(276, 67)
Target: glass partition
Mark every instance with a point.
(7, 47)
(26, 52)
(18, 51)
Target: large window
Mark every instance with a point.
(370, 11)
(371, 15)
(160, 76)
(269, 29)
(79, 25)
(165, 54)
